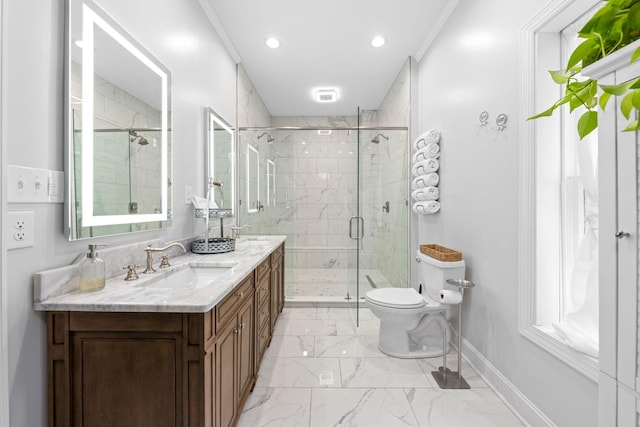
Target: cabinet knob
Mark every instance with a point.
(240, 294)
(236, 331)
(242, 325)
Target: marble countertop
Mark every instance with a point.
(55, 290)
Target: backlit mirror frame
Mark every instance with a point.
(92, 17)
(214, 147)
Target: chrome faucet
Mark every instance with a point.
(235, 231)
(149, 250)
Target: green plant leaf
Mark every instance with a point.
(546, 113)
(636, 99)
(587, 123)
(583, 50)
(627, 105)
(635, 126)
(635, 55)
(619, 89)
(561, 76)
(604, 98)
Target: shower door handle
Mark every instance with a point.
(360, 228)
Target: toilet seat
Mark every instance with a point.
(402, 298)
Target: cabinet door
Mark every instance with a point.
(125, 381)
(246, 340)
(226, 366)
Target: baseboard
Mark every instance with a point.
(522, 407)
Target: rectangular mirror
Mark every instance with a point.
(117, 127)
(220, 157)
(253, 179)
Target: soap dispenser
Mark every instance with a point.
(92, 271)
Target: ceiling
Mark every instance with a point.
(325, 43)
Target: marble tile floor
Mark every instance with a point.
(311, 283)
(320, 370)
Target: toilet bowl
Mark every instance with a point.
(413, 324)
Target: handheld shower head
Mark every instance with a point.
(269, 137)
(376, 139)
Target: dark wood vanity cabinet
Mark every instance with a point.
(277, 284)
(110, 369)
(235, 353)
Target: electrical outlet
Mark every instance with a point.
(188, 194)
(21, 226)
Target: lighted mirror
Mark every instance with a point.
(253, 179)
(271, 183)
(220, 157)
(117, 127)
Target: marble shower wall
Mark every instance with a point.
(312, 179)
(392, 232)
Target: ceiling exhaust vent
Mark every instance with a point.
(326, 95)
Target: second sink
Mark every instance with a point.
(190, 277)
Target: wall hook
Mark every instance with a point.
(501, 121)
(483, 118)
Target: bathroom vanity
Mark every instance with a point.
(171, 349)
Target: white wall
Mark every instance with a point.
(32, 61)
(473, 66)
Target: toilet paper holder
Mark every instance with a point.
(445, 378)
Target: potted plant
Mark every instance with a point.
(612, 27)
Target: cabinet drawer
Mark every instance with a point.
(227, 308)
(262, 269)
(263, 314)
(263, 290)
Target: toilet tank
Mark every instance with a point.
(434, 273)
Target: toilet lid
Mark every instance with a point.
(396, 297)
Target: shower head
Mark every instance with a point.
(269, 137)
(376, 139)
(134, 137)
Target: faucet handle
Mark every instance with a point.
(131, 271)
(164, 261)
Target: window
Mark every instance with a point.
(558, 206)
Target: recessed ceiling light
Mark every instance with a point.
(325, 95)
(378, 41)
(272, 42)
(324, 131)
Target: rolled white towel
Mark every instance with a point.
(420, 142)
(433, 148)
(425, 167)
(448, 296)
(426, 153)
(426, 207)
(433, 136)
(425, 194)
(431, 179)
(419, 182)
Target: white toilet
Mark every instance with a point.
(411, 324)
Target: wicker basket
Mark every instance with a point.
(441, 253)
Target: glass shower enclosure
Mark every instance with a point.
(340, 195)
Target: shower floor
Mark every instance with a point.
(330, 284)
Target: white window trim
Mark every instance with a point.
(551, 17)
(4, 335)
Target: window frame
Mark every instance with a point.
(540, 44)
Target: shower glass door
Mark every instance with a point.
(356, 232)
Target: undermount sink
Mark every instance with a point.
(190, 277)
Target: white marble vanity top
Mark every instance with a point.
(55, 290)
